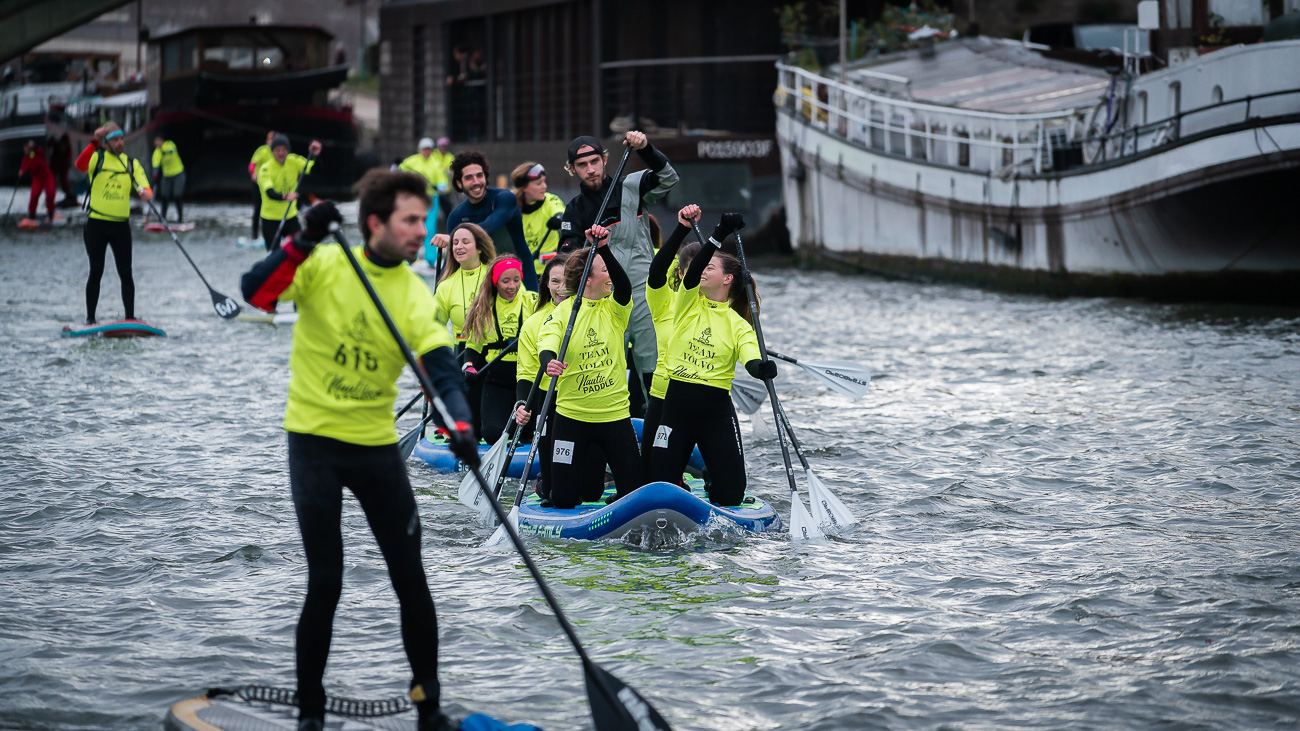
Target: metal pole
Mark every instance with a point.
(139, 22)
(844, 24)
(361, 68)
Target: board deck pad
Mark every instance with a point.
(114, 329)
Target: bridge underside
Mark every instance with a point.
(29, 23)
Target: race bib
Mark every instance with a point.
(661, 436)
(563, 452)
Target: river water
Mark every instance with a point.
(1075, 514)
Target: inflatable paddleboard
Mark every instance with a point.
(658, 509)
(179, 228)
(268, 318)
(438, 456)
(115, 329)
(257, 708)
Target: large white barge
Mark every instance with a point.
(984, 161)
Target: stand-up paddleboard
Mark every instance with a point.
(268, 318)
(38, 224)
(436, 453)
(115, 329)
(180, 228)
(257, 708)
(660, 512)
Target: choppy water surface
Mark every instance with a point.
(1075, 514)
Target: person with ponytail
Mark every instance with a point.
(712, 331)
(659, 292)
(542, 212)
(494, 319)
(591, 394)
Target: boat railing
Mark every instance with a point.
(990, 142)
(998, 143)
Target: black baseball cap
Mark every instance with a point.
(585, 141)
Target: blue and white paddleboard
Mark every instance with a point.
(115, 329)
(438, 456)
(659, 506)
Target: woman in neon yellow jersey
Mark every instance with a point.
(712, 331)
(591, 396)
(494, 319)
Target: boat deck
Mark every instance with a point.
(986, 75)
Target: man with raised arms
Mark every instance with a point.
(629, 229)
(344, 366)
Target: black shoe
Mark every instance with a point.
(546, 503)
(90, 321)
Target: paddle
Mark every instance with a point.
(540, 417)
(615, 706)
(408, 406)
(847, 378)
(826, 507)
(275, 240)
(499, 534)
(406, 445)
(801, 525)
(225, 306)
(747, 393)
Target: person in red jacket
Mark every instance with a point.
(42, 178)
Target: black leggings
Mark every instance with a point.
(496, 404)
(319, 469)
(99, 235)
(269, 228)
(573, 462)
(694, 414)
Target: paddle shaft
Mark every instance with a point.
(762, 351)
(440, 408)
(289, 204)
(568, 333)
(427, 415)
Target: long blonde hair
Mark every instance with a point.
(486, 250)
(479, 315)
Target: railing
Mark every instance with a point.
(991, 142)
(1006, 145)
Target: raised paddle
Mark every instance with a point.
(844, 377)
(225, 306)
(275, 240)
(615, 706)
(801, 525)
(540, 417)
(406, 445)
(826, 508)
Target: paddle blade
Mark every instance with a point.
(747, 393)
(406, 445)
(844, 377)
(802, 527)
(470, 494)
(615, 706)
(499, 535)
(225, 306)
(827, 509)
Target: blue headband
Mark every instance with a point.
(111, 135)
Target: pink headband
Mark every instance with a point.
(502, 267)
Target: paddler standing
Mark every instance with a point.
(495, 210)
(260, 156)
(34, 164)
(629, 238)
(344, 366)
(113, 174)
(434, 172)
(167, 165)
(542, 212)
(278, 181)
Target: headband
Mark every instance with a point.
(111, 135)
(504, 266)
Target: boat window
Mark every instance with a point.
(1142, 106)
(1216, 95)
(171, 57)
(713, 185)
(189, 53)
